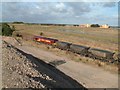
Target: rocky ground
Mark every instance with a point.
(17, 69)
(21, 70)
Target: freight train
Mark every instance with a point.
(95, 53)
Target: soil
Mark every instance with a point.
(21, 70)
(65, 72)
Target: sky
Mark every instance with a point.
(61, 12)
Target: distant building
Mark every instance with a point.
(88, 25)
(85, 25)
(105, 26)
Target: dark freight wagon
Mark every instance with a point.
(83, 50)
(95, 53)
(63, 45)
(102, 54)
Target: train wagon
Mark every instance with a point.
(79, 49)
(63, 45)
(101, 54)
(44, 40)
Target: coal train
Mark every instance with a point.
(95, 53)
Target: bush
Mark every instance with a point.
(7, 30)
(95, 25)
(18, 22)
(41, 33)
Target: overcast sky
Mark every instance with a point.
(61, 12)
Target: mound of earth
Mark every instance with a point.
(16, 70)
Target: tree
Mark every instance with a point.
(95, 25)
(6, 30)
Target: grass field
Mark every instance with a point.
(94, 37)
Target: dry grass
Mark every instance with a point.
(94, 37)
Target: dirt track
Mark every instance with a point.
(90, 77)
(22, 70)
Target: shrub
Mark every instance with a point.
(7, 30)
(95, 25)
(41, 33)
(18, 22)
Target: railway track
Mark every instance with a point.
(96, 54)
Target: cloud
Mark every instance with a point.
(60, 6)
(19, 10)
(54, 12)
(60, 0)
(79, 8)
(109, 4)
